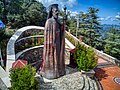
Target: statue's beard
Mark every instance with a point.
(55, 16)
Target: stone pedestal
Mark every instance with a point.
(90, 73)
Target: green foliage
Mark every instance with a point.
(23, 78)
(112, 46)
(1, 10)
(89, 26)
(85, 58)
(21, 13)
(4, 37)
(29, 13)
(72, 24)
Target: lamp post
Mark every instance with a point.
(77, 26)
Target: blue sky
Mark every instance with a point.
(108, 9)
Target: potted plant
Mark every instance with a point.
(86, 59)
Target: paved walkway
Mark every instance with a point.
(106, 72)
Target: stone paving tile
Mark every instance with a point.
(106, 76)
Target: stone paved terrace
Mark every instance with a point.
(105, 73)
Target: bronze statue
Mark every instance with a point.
(53, 65)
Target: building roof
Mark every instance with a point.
(19, 64)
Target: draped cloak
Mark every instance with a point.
(53, 65)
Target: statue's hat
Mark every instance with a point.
(50, 10)
(52, 6)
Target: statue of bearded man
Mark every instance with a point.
(53, 65)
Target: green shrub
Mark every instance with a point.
(85, 57)
(23, 78)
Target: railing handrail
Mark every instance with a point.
(30, 37)
(99, 53)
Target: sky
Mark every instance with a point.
(109, 10)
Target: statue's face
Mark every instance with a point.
(55, 12)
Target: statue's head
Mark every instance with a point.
(53, 11)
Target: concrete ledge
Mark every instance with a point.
(69, 44)
(98, 53)
(4, 80)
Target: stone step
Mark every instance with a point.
(95, 85)
(91, 82)
(86, 83)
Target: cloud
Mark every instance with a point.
(108, 18)
(118, 15)
(73, 13)
(101, 19)
(61, 3)
(105, 18)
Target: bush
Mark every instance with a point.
(23, 78)
(85, 58)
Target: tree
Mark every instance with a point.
(72, 24)
(1, 10)
(19, 13)
(112, 46)
(89, 26)
(23, 78)
(22, 13)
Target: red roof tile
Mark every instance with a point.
(19, 64)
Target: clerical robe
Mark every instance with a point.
(53, 54)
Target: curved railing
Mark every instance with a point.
(20, 35)
(28, 42)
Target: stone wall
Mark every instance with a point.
(32, 55)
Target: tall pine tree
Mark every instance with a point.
(89, 26)
(112, 46)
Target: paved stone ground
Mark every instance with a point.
(106, 74)
(73, 80)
